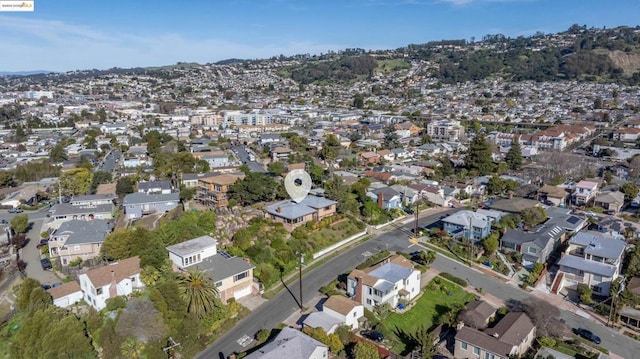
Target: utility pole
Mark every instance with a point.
(300, 273)
(613, 302)
(415, 233)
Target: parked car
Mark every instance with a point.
(373, 335)
(587, 334)
(46, 263)
(4, 221)
(46, 287)
(43, 242)
(56, 284)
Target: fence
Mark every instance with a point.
(338, 245)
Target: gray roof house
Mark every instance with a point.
(154, 187)
(291, 344)
(535, 246)
(590, 259)
(78, 239)
(138, 204)
(93, 199)
(292, 214)
(233, 276)
(63, 212)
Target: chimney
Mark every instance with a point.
(380, 200)
(359, 293)
(247, 260)
(113, 290)
(279, 209)
(510, 195)
(460, 325)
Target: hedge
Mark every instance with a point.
(454, 279)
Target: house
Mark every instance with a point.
(190, 180)
(66, 294)
(291, 344)
(611, 201)
(433, 194)
(369, 158)
(457, 224)
(27, 195)
(336, 311)
(553, 195)
(590, 259)
(384, 177)
(386, 155)
(391, 281)
(212, 191)
(78, 239)
(232, 276)
(138, 204)
(281, 154)
(293, 215)
(155, 187)
(407, 126)
(584, 192)
(535, 246)
(513, 205)
(110, 281)
(478, 313)
(511, 337)
(386, 197)
(630, 317)
(64, 212)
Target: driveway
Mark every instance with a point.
(31, 256)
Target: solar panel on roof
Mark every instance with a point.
(573, 220)
(225, 254)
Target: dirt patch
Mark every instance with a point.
(629, 62)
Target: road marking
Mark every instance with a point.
(244, 341)
(367, 254)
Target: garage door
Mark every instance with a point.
(242, 292)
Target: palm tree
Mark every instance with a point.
(198, 291)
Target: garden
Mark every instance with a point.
(439, 303)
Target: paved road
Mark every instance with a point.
(109, 162)
(276, 310)
(243, 155)
(31, 255)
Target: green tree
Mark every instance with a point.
(276, 168)
(124, 186)
(20, 223)
(126, 242)
(57, 153)
(24, 294)
(478, 157)
(99, 178)
(358, 100)
(364, 350)
(533, 216)
(255, 187)
(630, 191)
(491, 243)
(425, 341)
(496, 185)
(76, 181)
(585, 293)
(514, 156)
(198, 292)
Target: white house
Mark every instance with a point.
(233, 276)
(390, 281)
(584, 192)
(66, 295)
(110, 281)
(336, 311)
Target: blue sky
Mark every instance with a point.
(62, 35)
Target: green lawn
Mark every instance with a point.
(435, 301)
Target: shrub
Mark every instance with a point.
(262, 335)
(76, 262)
(454, 279)
(535, 273)
(547, 342)
(116, 303)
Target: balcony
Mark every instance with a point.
(574, 277)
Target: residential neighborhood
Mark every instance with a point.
(151, 211)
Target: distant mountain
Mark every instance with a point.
(25, 73)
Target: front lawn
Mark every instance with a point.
(436, 300)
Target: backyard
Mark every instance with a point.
(438, 298)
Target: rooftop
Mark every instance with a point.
(191, 246)
(600, 246)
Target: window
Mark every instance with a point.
(476, 351)
(597, 289)
(532, 250)
(463, 346)
(597, 278)
(219, 284)
(99, 291)
(489, 356)
(240, 276)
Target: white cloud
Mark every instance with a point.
(59, 46)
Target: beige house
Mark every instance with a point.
(78, 239)
(611, 202)
(556, 196)
(512, 336)
(233, 276)
(293, 215)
